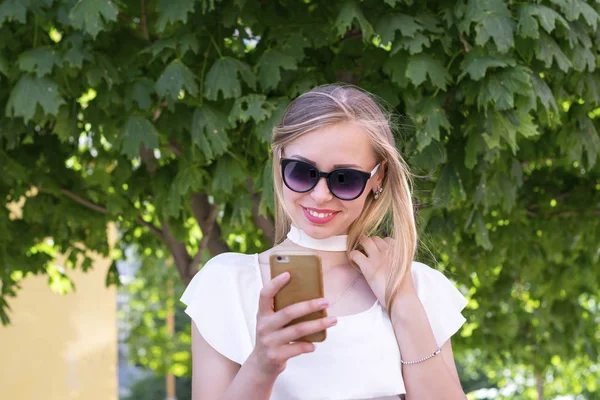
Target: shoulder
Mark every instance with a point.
(227, 264)
(441, 299)
(222, 274)
(424, 275)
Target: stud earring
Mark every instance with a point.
(378, 192)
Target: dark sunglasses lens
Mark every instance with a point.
(300, 176)
(347, 184)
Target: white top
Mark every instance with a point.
(360, 358)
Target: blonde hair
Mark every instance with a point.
(392, 214)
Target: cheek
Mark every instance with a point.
(290, 198)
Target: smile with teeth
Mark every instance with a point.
(318, 215)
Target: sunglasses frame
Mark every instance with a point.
(366, 175)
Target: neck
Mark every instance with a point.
(332, 250)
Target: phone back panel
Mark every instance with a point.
(306, 283)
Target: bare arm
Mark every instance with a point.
(416, 340)
(214, 376)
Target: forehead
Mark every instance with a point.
(339, 144)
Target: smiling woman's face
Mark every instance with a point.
(344, 145)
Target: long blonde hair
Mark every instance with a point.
(391, 214)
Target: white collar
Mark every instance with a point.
(333, 243)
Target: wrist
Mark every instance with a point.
(405, 306)
(258, 375)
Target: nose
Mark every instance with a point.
(321, 193)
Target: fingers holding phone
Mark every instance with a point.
(291, 312)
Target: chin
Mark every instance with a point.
(321, 231)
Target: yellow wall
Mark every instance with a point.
(61, 347)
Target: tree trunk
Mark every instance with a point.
(539, 385)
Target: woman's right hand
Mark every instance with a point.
(273, 347)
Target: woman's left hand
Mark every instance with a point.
(376, 265)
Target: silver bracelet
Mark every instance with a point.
(435, 353)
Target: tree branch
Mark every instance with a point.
(89, 204)
(201, 209)
(264, 223)
(179, 252)
(209, 223)
(101, 209)
(145, 21)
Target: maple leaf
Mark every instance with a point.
(13, 10)
(92, 15)
(172, 11)
(423, 65)
(40, 60)
(174, 79)
(137, 130)
(29, 92)
(223, 77)
(269, 65)
(209, 131)
(493, 21)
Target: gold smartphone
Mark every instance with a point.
(305, 283)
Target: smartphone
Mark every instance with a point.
(305, 283)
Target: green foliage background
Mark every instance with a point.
(157, 115)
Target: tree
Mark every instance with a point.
(157, 115)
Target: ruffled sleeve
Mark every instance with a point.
(216, 302)
(442, 301)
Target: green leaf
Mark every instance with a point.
(28, 93)
(423, 65)
(575, 8)
(481, 233)
(189, 178)
(578, 139)
(253, 106)
(138, 130)
(227, 173)
(223, 77)
(583, 58)
(295, 45)
(92, 15)
(506, 126)
(449, 188)
(209, 131)
(414, 45)
(500, 88)
(543, 92)
(547, 49)
(158, 48)
(13, 10)
(391, 23)
(429, 118)
(546, 16)
(349, 12)
(475, 145)
(66, 125)
(3, 66)
(395, 68)
(269, 64)
(476, 63)
(75, 57)
(267, 198)
(189, 42)
(172, 11)
(493, 21)
(264, 129)
(141, 93)
(39, 61)
(174, 79)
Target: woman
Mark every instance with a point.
(338, 180)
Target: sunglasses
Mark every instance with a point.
(343, 183)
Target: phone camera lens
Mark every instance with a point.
(279, 258)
